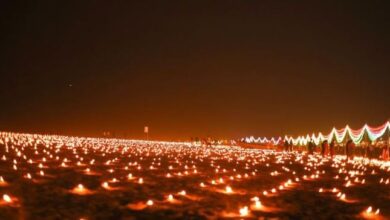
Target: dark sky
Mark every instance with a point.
(193, 68)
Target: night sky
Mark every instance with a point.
(224, 69)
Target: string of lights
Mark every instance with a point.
(338, 135)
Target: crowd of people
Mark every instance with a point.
(368, 150)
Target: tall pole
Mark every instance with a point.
(146, 130)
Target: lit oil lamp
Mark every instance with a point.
(81, 190)
(149, 202)
(228, 190)
(3, 182)
(28, 176)
(105, 185)
(257, 204)
(244, 211)
(7, 198)
(369, 213)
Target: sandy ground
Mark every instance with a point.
(182, 182)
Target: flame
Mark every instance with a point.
(7, 198)
(183, 193)
(228, 190)
(149, 202)
(244, 211)
(105, 185)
